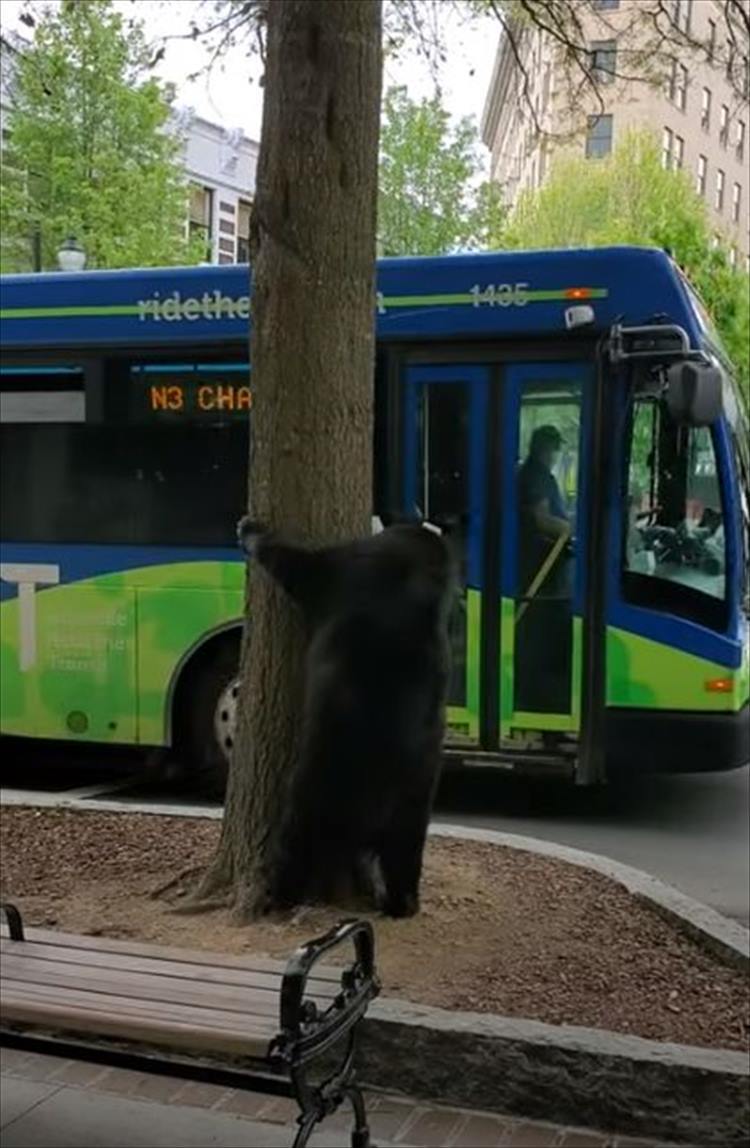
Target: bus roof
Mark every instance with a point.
(518, 293)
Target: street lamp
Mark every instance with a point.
(70, 255)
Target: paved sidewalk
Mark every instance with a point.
(51, 1102)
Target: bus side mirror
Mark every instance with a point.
(694, 393)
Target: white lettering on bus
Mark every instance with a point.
(209, 305)
(500, 295)
(215, 305)
(27, 576)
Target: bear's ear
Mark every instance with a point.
(249, 534)
(401, 517)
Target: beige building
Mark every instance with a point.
(696, 105)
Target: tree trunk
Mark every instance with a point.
(312, 355)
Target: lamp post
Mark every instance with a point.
(36, 247)
(70, 255)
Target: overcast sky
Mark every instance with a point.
(227, 97)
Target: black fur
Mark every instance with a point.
(376, 674)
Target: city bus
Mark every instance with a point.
(593, 377)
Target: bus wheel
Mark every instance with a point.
(209, 713)
(225, 718)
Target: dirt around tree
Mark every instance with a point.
(500, 930)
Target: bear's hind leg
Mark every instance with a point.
(401, 858)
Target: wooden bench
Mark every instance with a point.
(246, 1023)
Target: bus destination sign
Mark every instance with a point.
(194, 395)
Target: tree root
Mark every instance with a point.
(193, 906)
(160, 890)
(212, 891)
(250, 901)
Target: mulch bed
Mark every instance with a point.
(500, 931)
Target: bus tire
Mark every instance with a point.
(209, 707)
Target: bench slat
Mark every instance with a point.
(178, 1029)
(142, 986)
(110, 1015)
(84, 959)
(173, 953)
(167, 1011)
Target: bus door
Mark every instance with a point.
(444, 480)
(545, 414)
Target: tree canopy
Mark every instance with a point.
(89, 151)
(630, 197)
(431, 196)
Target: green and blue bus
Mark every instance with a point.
(126, 407)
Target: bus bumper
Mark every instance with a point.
(672, 741)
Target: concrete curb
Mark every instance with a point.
(561, 1073)
(727, 938)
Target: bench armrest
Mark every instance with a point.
(13, 917)
(305, 1030)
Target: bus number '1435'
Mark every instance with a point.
(500, 295)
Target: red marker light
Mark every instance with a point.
(578, 293)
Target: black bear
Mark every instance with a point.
(377, 611)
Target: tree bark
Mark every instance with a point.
(312, 356)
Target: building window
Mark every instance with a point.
(724, 126)
(736, 202)
(604, 60)
(719, 197)
(678, 85)
(679, 151)
(683, 11)
(598, 137)
(711, 45)
(700, 181)
(200, 215)
(682, 87)
(672, 150)
(706, 109)
(732, 256)
(243, 232)
(740, 140)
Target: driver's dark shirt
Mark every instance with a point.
(537, 484)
